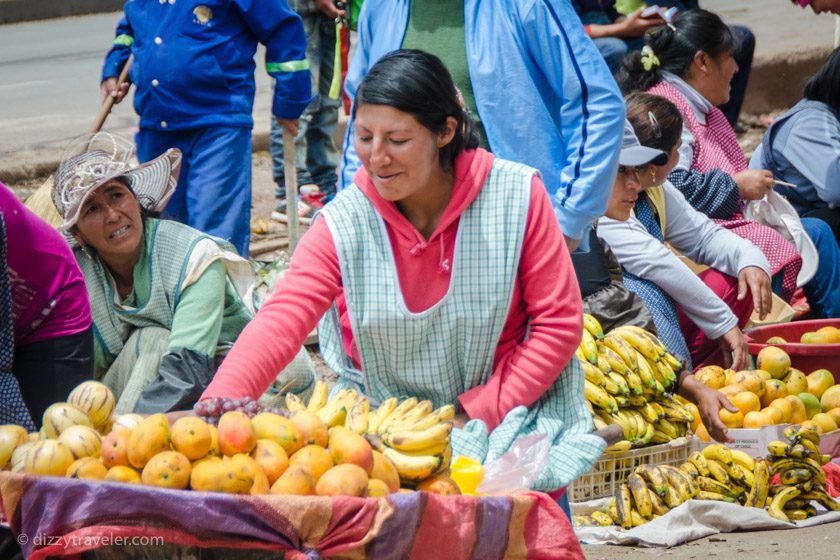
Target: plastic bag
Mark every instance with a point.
(518, 468)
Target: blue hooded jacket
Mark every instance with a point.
(543, 92)
(194, 60)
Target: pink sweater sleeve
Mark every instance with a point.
(551, 298)
(273, 338)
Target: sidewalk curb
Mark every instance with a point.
(16, 11)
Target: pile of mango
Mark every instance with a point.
(399, 446)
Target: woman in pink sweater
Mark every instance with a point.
(447, 267)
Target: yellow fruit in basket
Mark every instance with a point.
(695, 414)
(316, 458)
(88, 468)
(732, 390)
(83, 441)
(220, 476)
(19, 455)
(796, 382)
(774, 413)
(296, 480)
(191, 436)
(11, 436)
(236, 433)
(214, 441)
(786, 408)
(757, 420)
(346, 479)
(148, 439)
(773, 389)
(702, 433)
(835, 414)
(764, 375)
(247, 468)
(168, 469)
(279, 429)
(831, 334)
(774, 361)
(830, 398)
(96, 399)
(750, 380)
(384, 470)
(121, 473)
(312, 429)
(48, 457)
(126, 423)
(439, 484)
(377, 489)
(812, 404)
(746, 401)
(346, 446)
(271, 457)
(711, 376)
(732, 419)
(819, 381)
(824, 422)
(776, 340)
(114, 450)
(798, 412)
(60, 416)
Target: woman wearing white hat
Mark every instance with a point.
(165, 298)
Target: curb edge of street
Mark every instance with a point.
(18, 11)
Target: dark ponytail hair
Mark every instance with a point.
(675, 45)
(417, 83)
(824, 86)
(656, 121)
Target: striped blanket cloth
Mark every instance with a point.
(65, 517)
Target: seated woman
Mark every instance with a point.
(690, 63)
(802, 147)
(442, 271)
(165, 298)
(702, 312)
(50, 314)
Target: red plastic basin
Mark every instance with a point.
(805, 357)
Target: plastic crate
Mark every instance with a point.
(612, 469)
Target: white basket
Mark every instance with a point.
(612, 469)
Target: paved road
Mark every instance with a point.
(49, 92)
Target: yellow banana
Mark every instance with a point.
(667, 428)
(800, 451)
(319, 397)
(619, 447)
(333, 414)
(400, 410)
(592, 325)
(620, 382)
(675, 364)
(741, 458)
(645, 438)
(442, 414)
(699, 462)
(654, 478)
(599, 423)
(598, 397)
(624, 506)
(646, 374)
(778, 448)
(741, 475)
(615, 361)
(825, 500)
(680, 480)
(358, 417)
(642, 344)
(603, 363)
(445, 459)
(639, 490)
(611, 388)
(704, 483)
(797, 514)
(810, 446)
(673, 498)
(689, 469)
(592, 373)
(776, 508)
(792, 477)
(417, 440)
(413, 468)
(590, 351)
(293, 403)
(718, 452)
(657, 505)
(634, 381)
(624, 350)
(377, 416)
(718, 471)
(601, 518)
(419, 411)
(669, 376)
(649, 413)
(706, 495)
(580, 355)
(627, 425)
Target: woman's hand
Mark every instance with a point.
(612, 434)
(734, 347)
(753, 184)
(758, 283)
(709, 402)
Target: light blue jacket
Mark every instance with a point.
(543, 92)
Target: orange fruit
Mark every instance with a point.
(796, 382)
(711, 376)
(732, 419)
(830, 398)
(746, 401)
(785, 406)
(732, 390)
(695, 412)
(702, 433)
(757, 420)
(774, 389)
(798, 412)
(773, 360)
(775, 413)
(824, 422)
(835, 413)
(750, 380)
(764, 375)
(819, 381)
(831, 334)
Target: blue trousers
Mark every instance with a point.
(214, 185)
(823, 291)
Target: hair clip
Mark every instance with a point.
(657, 132)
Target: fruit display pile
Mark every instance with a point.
(628, 371)
(729, 475)
(775, 393)
(326, 447)
(824, 335)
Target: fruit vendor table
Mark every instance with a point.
(62, 516)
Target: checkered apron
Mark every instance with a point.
(12, 408)
(716, 147)
(441, 352)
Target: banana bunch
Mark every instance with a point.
(798, 463)
(648, 492)
(594, 519)
(413, 435)
(728, 475)
(334, 411)
(627, 372)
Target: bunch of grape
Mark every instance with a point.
(210, 410)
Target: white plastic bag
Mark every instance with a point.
(776, 212)
(518, 468)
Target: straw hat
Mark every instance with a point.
(94, 159)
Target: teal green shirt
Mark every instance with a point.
(437, 26)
